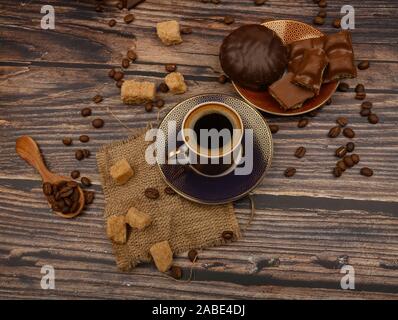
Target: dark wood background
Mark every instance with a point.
(47, 76)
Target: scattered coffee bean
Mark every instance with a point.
(223, 79)
(336, 23)
(67, 141)
(348, 161)
(84, 138)
(119, 83)
(229, 20)
(85, 112)
(132, 55)
(360, 88)
(85, 181)
(112, 23)
(79, 155)
(343, 87)
(47, 188)
(259, 2)
(169, 191)
(302, 123)
(337, 172)
(290, 172)
(349, 133)
(342, 121)
(350, 146)
(355, 158)
(322, 13)
(363, 65)
(129, 18)
(365, 112)
(227, 235)
(170, 67)
(373, 118)
(86, 153)
(75, 174)
(360, 95)
(341, 152)
(319, 21)
(340, 164)
(274, 128)
(300, 152)
(367, 172)
(366, 105)
(88, 197)
(97, 98)
(176, 272)
(111, 73)
(98, 123)
(334, 132)
(160, 103)
(186, 30)
(118, 75)
(151, 193)
(148, 106)
(193, 255)
(125, 63)
(163, 87)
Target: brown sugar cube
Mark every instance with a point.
(162, 255)
(138, 219)
(116, 229)
(121, 172)
(169, 32)
(137, 92)
(175, 82)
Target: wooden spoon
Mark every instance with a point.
(28, 150)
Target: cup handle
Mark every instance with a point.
(182, 150)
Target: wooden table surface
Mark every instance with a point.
(47, 76)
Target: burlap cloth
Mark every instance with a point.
(185, 224)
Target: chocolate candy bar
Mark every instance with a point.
(296, 51)
(289, 95)
(310, 71)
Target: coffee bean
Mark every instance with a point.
(341, 152)
(340, 164)
(355, 158)
(334, 132)
(319, 21)
(75, 174)
(360, 95)
(47, 188)
(365, 112)
(322, 13)
(350, 146)
(163, 87)
(290, 172)
(312, 113)
(300, 152)
(132, 55)
(160, 103)
(85, 181)
(97, 123)
(149, 107)
(363, 65)
(348, 161)
(337, 172)
(151, 193)
(119, 83)
(302, 123)
(176, 272)
(227, 235)
(125, 63)
(84, 138)
(68, 202)
(97, 98)
(222, 79)
(111, 73)
(129, 18)
(57, 196)
(112, 23)
(349, 133)
(118, 75)
(373, 118)
(79, 155)
(343, 87)
(66, 192)
(67, 141)
(367, 172)
(85, 112)
(75, 195)
(229, 20)
(193, 255)
(169, 191)
(86, 153)
(170, 67)
(329, 101)
(342, 121)
(366, 105)
(274, 128)
(75, 206)
(259, 2)
(186, 30)
(360, 88)
(88, 197)
(336, 23)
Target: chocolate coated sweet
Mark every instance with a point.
(253, 56)
(297, 49)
